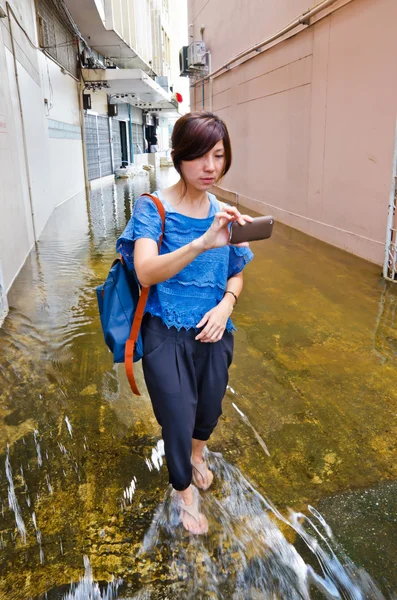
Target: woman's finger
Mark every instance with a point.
(217, 337)
(241, 245)
(208, 332)
(241, 219)
(205, 333)
(203, 320)
(223, 215)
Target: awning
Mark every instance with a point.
(132, 86)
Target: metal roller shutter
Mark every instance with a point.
(116, 143)
(98, 149)
(105, 156)
(92, 147)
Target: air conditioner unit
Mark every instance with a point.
(196, 55)
(183, 66)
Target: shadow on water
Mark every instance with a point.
(309, 417)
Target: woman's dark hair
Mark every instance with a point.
(195, 134)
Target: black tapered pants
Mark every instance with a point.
(186, 381)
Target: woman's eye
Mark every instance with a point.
(220, 156)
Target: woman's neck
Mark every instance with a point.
(189, 195)
(187, 200)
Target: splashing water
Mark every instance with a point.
(12, 500)
(36, 442)
(130, 490)
(69, 426)
(248, 422)
(88, 589)
(246, 554)
(156, 460)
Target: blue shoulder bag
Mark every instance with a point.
(121, 302)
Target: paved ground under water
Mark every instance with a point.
(83, 490)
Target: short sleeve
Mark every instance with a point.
(144, 223)
(239, 256)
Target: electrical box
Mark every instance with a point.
(87, 101)
(183, 66)
(113, 110)
(196, 55)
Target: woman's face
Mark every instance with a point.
(201, 173)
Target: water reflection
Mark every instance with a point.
(82, 469)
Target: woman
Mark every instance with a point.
(195, 282)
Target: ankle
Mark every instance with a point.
(198, 458)
(186, 495)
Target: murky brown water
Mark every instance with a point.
(314, 373)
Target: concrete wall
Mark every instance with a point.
(16, 226)
(313, 118)
(41, 160)
(63, 132)
(99, 103)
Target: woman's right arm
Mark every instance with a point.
(152, 268)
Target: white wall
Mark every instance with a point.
(16, 232)
(37, 148)
(54, 169)
(99, 103)
(66, 163)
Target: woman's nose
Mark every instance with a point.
(209, 164)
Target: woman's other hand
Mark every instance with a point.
(218, 234)
(215, 321)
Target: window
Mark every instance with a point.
(57, 35)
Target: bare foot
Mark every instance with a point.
(202, 476)
(192, 520)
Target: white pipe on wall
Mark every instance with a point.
(391, 217)
(25, 147)
(303, 19)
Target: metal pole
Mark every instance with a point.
(131, 135)
(211, 79)
(25, 146)
(390, 249)
(82, 126)
(110, 125)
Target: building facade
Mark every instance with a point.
(41, 154)
(83, 87)
(311, 112)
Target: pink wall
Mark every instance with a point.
(313, 118)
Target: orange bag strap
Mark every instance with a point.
(140, 309)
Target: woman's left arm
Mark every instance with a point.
(215, 319)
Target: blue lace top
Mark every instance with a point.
(182, 300)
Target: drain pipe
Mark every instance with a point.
(132, 158)
(389, 270)
(80, 91)
(25, 147)
(211, 79)
(303, 19)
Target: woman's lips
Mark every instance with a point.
(207, 179)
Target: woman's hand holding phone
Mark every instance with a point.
(218, 234)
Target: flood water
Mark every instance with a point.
(85, 509)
